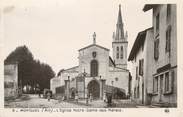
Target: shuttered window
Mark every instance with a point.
(155, 84)
(167, 82)
(168, 12)
(156, 49)
(141, 67)
(168, 39)
(136, 73)
(157, 23)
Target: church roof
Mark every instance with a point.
(119, 27)
(94, 45)
(72, 69)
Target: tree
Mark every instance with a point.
(30, 71)
(20, 54)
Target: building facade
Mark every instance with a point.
(158, 58)
(97, 73)
(141, 58)
(165, 53)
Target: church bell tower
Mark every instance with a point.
(120, 43)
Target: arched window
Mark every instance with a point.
(121, 56)
(117, 53)
(94, 68)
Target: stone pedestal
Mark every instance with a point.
(102, 84)
(67, 89)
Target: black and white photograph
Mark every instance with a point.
(89, 54)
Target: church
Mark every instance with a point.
(97, 73)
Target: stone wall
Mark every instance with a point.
(120, 79)
(11, 80)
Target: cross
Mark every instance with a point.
(94, 38)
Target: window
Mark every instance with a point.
(8, 84)
(138, 92)
(116, 79)
(172, 80)
(155, 84)
(167, 87)
(141, 67)
(135, 92)
(169, 82)
(121, 52)
(168, 39)
(157, 23)
(168, 12)
(136, 73)
(94, 68)
(156, 49)
(117, 56)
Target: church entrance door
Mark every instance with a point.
(94, 89)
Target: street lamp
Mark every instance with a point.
(84, 75)
(68, 86)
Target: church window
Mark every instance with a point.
(94, 68)
(117, 54)
(121, 52)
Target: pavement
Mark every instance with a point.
(34, 101)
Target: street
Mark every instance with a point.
(33, 101)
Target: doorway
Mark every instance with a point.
(161, 88)
(143, 93)
(94, 89)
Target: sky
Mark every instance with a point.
(54, 30)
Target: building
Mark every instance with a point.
(11, 80)
(97, 73)
(164, 72)
(155, 61)
(54, 83)
(141, 58)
